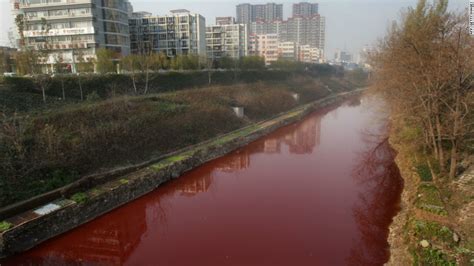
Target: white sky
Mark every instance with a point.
(350, 24)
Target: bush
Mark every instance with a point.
(19, 84)
(114, 85)
(79, 197)
(4, 226)
(431, 256)
(424, 172)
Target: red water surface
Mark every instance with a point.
(319, 192)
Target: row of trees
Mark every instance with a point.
(424, 68)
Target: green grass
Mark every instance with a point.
(431, 256)
(123, 181)
(169, 161)
(433, 232)
(429, 199)
(424, 172)
(4, 226)
(79, 197)
(233, 136)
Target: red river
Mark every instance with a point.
(319, 192)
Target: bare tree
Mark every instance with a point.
(424, 68)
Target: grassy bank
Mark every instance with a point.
(25, 94)
(43, 149)
(435, 226)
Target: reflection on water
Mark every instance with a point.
(322, 191)
(378, 174)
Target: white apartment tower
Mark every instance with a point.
(179, 33)
(71, 28)
(226, 38)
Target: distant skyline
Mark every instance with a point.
(350, 24)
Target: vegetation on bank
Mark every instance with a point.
(24, 94)
(45, 148)
(435, 231)
(5, 226)
(424, 68)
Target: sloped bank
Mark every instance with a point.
(434, 226)
(399, 253)
(61, 215)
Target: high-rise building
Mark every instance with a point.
(178, 33)
(67, 29)
(266, 46)
(342, 57)
(305, 9)
(308, 54)
(301, 30)
(226, 39)
(225, 20)
(265, 27)
(304, 31)
(244, 13)
(247, 13)
(288, 51)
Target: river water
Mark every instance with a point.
(320, 192)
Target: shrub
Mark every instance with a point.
(79, 197)
(424, 172)
(431, 256)
(4, 226)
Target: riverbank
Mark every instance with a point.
(43, 150)
(60, 215)
(436, 221)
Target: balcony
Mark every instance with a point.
(67, 16)
(66, 45)
(52, 4)
(59, 32)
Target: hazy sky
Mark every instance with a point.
(350, 24)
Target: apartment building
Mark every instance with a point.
(68, 29)
(304, 31)
(226, 38)
(247, 13)
(265, 27)
(288, 51)
(305, 9)
(309, 54)
(342, 57)
(225, 20)
(266, 46)
(179, 33)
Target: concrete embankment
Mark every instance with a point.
(37, 225)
